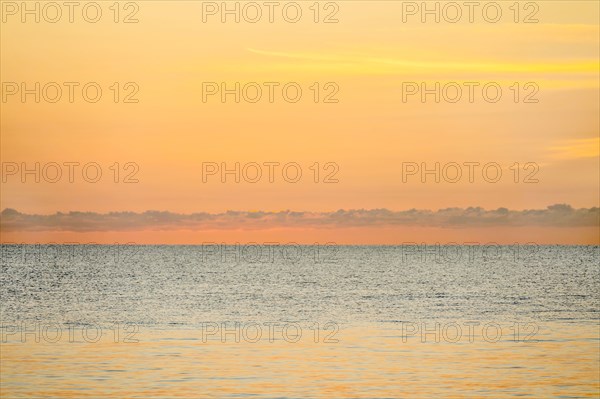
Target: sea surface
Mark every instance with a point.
(290, 321)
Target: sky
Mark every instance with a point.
(369, 137)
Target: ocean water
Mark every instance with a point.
(300, 321)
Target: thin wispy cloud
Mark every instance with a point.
(577, 148)
(380, 63)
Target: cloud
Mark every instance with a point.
(560, 215)
(383, 63)
(578, 148)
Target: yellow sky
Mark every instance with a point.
(368, 133)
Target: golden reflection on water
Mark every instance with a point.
(366, 362)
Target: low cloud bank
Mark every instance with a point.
(559, 215)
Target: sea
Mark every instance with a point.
(299, 321)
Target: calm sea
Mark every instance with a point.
(292, 321)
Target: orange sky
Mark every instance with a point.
(368, 133)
